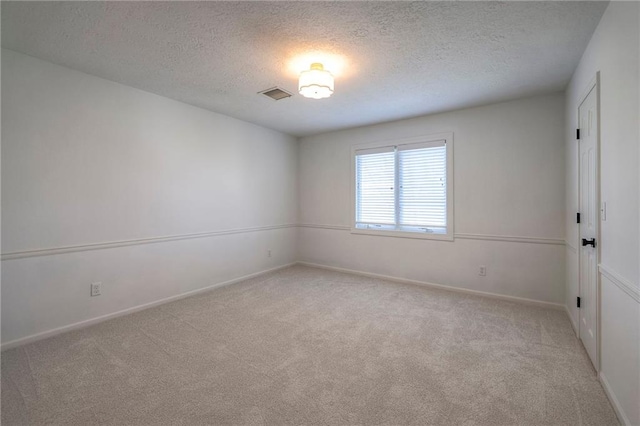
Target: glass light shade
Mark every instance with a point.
(315, 83)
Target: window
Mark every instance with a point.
(404, 188)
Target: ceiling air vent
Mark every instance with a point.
(276, 93)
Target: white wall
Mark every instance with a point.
(614, 51)
(508, 182)
(88, 161)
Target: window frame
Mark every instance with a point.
(448, 138)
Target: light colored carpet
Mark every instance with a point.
(309, 346)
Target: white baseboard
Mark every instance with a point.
(86, 323)
(559, 306)
(614, 401)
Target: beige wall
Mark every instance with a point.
(508, 182)
(87, 161)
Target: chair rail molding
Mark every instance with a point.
(49, 251)
(123, 243)
(321, 226)
(511, 239)
(462, 236)
(625, 285)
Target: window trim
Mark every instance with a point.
(448, 138)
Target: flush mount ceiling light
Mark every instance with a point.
(316, 82)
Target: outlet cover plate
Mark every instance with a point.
(96, 289)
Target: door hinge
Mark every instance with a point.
(578, 134)
(578, 302)
(577, 217)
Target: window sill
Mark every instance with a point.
(403, 234)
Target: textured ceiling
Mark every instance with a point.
(392, 60)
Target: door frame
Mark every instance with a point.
(594, 84)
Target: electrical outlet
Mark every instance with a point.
(268, 253)
(96, 289)
(482, 271)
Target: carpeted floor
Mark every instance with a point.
(309, 346)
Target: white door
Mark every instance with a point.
(588, 202)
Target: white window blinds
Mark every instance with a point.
(422, 188)
(375, 187)
(402, 187)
